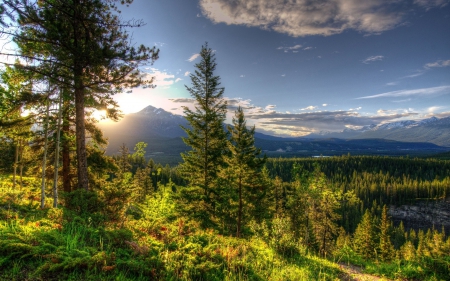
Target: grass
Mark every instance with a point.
(45, 244)
(53, 244)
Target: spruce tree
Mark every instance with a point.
(387, 251)
(243, 167)
(364, 237)
(207, 139)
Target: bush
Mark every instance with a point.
(84, 205)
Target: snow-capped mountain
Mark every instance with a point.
(433, 130)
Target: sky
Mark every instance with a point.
(301, 66)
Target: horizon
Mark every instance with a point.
(107, 122)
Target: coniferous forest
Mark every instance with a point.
(68, 211)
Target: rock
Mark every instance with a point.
(423, 215)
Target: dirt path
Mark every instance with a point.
(354, 273)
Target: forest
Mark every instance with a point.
(68, 211)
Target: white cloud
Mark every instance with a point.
(159, 44)
(182, 100)
(242, 76)
(287, 49)
(324, 105)
(417, 74)
(442, 90)
(439, 63)
(187, 73)
(427, 67)
(405, 100)
(193, 57)
(178, 80)
(268, 120)
(391, 83)
(283, 75)
(428, 4)
(160, 78)
(311, 107)
(432, 109)
(302, 18)
(297, 124)
(308, 48)
(372, 59)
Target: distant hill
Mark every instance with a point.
(162, 132)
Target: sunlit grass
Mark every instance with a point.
(45, 244)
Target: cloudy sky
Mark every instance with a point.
(302, 66)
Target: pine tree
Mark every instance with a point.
(243, 166)
(364, 237)
(14, 91)
(387, 251)
(206, 137)
(82, 45)
(124, 159)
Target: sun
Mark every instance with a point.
(99, 115)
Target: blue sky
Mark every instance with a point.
(302, 66)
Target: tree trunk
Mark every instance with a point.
(58, 134)
(238, 233)
(66, 153)
(21, 148)
(44, 160)
(83, 181)
(16, 161)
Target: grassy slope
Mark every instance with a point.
(49, 244)
(44, 245)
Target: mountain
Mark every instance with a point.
(432, 130)
(162, 132)
(158, 128)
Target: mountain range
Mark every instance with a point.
(162, 132)
(432, 130)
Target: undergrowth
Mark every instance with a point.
(149, 242)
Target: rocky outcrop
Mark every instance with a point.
(423, 215)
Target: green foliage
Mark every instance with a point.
(157, 246)
(113, 233)
(206, 138)
(107, 205)
(96, 61)
(384, 180)
(364, 238)
(84, 205)
(386, 248)
(243, 187)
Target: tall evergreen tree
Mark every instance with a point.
(243, 166)
(81, 45)
(387, 251)
(14, 92)
(364, 237)
(206, 137)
